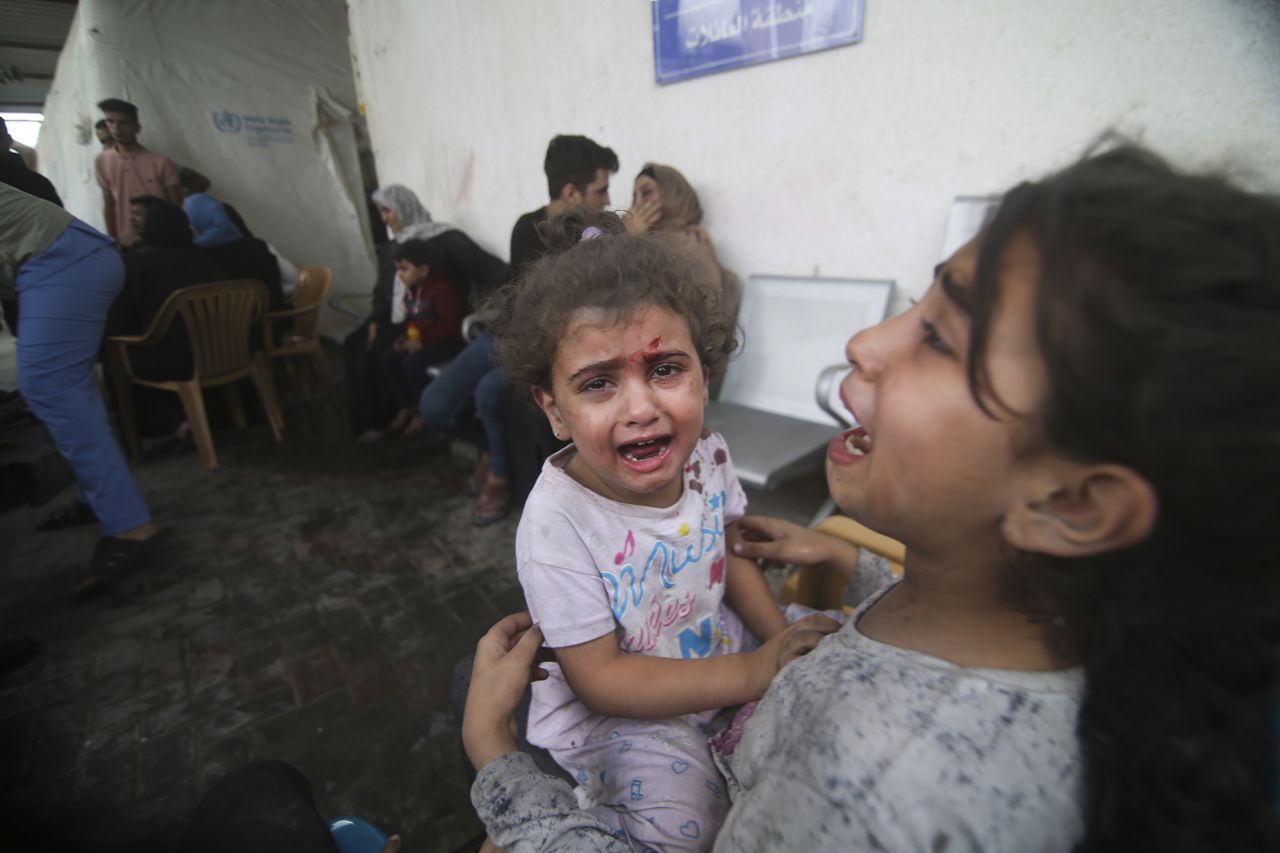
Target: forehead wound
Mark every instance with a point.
(650, 353)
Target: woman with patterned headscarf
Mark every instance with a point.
(470, 270)
(664, 202)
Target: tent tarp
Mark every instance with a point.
(257, 96)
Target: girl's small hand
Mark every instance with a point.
(505, 663)
(799, 639)
(373, 332)
(776, 541)
(410, 345)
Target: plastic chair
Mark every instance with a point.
(218, 319)
(824, 590)
(303, 337)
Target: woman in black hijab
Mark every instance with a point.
(164, 260)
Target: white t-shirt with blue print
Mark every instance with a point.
(655, 577)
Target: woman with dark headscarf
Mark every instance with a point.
(664, 202)
(164, 260)
(470, 270)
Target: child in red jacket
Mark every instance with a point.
(431, 331)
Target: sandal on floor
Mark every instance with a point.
(479, 476)
(115, 558)
(493, 505)
(71, 514)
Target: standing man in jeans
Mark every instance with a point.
(577, 170)
(66, 275)
(129, 170)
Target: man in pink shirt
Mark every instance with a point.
(129, 170)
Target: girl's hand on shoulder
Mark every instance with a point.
(797, 640)
(506, 661)
(774, 540)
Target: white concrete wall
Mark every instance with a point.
(842, 163)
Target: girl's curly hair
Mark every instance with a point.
(613, 273)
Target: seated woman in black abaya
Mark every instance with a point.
(163, 261)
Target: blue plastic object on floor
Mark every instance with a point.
(356, 835)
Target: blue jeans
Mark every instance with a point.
(64, 294)
(444, 406)
(404, 374)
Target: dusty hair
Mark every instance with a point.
(1157, 308)
(614, 273)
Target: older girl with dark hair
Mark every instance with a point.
(1076, 434)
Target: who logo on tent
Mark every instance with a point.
(227, 121)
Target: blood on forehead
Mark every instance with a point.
(650, 354)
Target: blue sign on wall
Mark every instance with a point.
(696, 37)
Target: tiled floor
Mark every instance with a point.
(309, 604)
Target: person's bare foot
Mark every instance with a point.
(480, 476)
(401, 418)
(369, 436)
(392, 845)
(414, 426)
(494, 502)
(183, 432)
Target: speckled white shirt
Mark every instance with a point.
(862, 746)
(865, 746)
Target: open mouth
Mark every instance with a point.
(849, 446)
(645, 451)
(857, 442)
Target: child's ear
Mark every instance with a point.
(1086, 509)
(547, 403)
